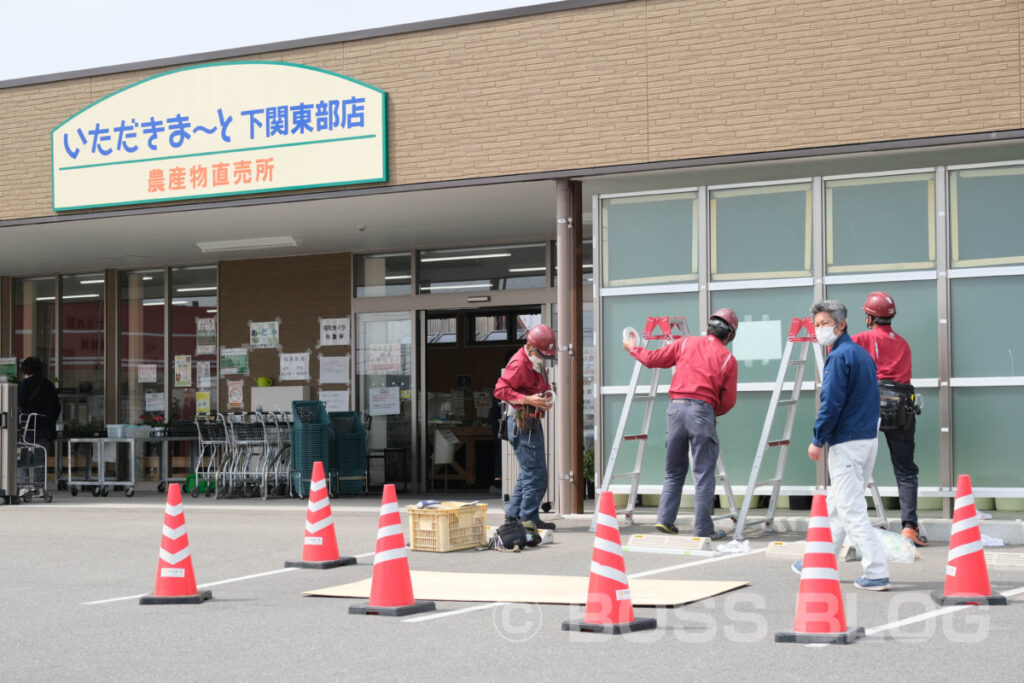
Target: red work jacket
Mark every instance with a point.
(890, 351)
(705, 370)
(520, 379)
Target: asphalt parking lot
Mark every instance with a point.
(71, 573)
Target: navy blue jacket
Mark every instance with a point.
(849, 395)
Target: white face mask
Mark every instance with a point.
(826, 335)
(537, 360)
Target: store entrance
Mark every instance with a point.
(464, 352)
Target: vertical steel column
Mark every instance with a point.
(703, 228)
(569, 397)
(818, 248)
(945, 400)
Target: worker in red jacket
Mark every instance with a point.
(703, 387)
(891, 354)
(524, 387)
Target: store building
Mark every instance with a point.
(743, 154)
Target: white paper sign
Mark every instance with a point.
(266, 335)
(482, 401)
(385, 401)
(206, 336)
(203, 374)
(385, 359)
(334, 370)
(154, 401)
(183, 371)
(236, 394)
(147, 373)
(336, 401)
(334, 332)
(295, 366)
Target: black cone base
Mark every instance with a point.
(326, 564)
(640, 624)
(199, 597)
(416, 607)
(943, 599)
(843, 638)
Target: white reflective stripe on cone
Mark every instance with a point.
(388, 555)
(174, 510)
(317, 485)
(388, 508)
(385, 531)
(607, 520)
(967, 549)
(608, 546)
(314, 527)
(963, 525)
(819, 573)
(820, 547)
(608, 573)
(964, 501)
(175, 533)
(317, 505)
(818, 523)
(176, 557)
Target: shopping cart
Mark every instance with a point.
(213, 446)
(32, 458)
(277, 426)
(242, 471)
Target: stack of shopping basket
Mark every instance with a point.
(312, 435)
(348, 451)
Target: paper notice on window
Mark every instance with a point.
(183, 371)
(265, 335)
(154, 401)
(336, 401)
(385, 401)
(334, 370)
(147, 373)
(203, 402)
(206, 336)
(482, 401)
(203, 374)
(234, 361)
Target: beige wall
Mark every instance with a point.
(641, 81)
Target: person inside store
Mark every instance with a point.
(891, 354)
(847, 421)
(37, 394)
(703, 388)
(524, 386)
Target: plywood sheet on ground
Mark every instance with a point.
(556, 590)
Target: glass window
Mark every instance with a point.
(916, 317)
(649, 240)
(653, 470)
(489, 327)
(443, 330)
(985, 209)
(481, 269)
(587, 266)
(383, 274)
(524, 322)
(193, 340)
(765, 316)
(739, 431)
(82, 352)
(620, 312)
(141, 345)
(35, 321)
(761, 232)
(986, 341)
(985, 421)
(880, 224)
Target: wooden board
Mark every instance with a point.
(555, 590)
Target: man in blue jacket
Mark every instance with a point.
(848, 422)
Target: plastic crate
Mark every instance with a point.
(348, 451)
(453, 526)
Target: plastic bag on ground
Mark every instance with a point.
(898, 548)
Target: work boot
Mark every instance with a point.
(550, 526)
(667, 528)
(915, 536)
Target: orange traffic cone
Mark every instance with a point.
(820, 617)
(391, 586)
(609, 606)
(175, 580)
(320, 545)
(966, 573)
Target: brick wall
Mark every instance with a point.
(635, 82)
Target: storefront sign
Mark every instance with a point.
(221, 129)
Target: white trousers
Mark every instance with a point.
(850, 465)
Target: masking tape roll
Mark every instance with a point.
(628, 332)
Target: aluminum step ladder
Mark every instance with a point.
(663, 329)
(799, 364)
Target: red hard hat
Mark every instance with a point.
(543, 339)
(729, 316)
(880, 305)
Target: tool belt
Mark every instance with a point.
(527, 417)
(898, 405)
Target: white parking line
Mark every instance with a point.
(933, 614)
(687, 565)
(440, 615)
(214, 583)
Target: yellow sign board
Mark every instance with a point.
(221, 129)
